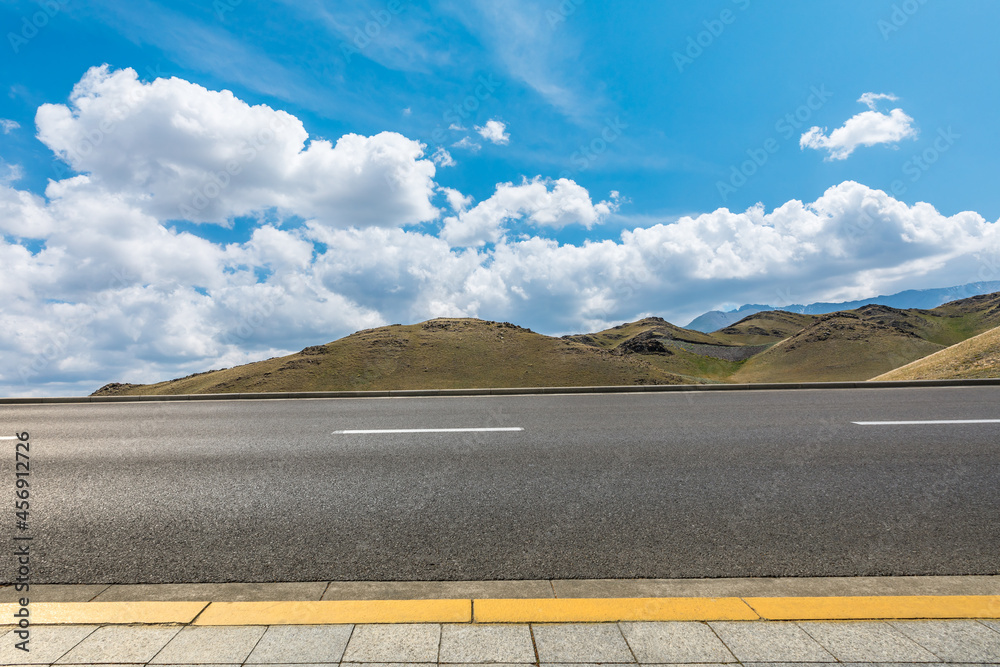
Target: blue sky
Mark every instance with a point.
(566, 165)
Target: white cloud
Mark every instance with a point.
(867, 128)
(468, 144)
(8, 126)
(443, 158)
(457, 200)
(457, 128)
(178, 150)
(495, 132)
(564, 204)
(108, 290)
(870, 100)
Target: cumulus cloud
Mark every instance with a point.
(443, 158)
(8, 126)
(468, 144)
(179, 151)
(867, 128)
(532, 201)
(495, 132)
(103, 285)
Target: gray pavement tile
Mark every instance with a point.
(388, 664)
(953, 641)
(406, 642)
(761, 641)
(210, 644)
(47, 643)
(54, 593)
(486, 644)
(436, 590)
(581, 642)
(990, 623)
(495, 664)
(234, 592)
(120, 644)
(787, 586)
(866, 641)
(301, 644)
(675, 641)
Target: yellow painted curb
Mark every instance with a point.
(337, 611)
(597, 610)
(87, 613)
(876, 607)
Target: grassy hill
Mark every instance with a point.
(977, 357)
(764, 328)
(770, 346)
(437, 354)
(838, 346)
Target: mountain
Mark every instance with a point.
(444, 353)
(926, 299)
(977, 357)
(769, 346)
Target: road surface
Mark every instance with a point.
(707, 484)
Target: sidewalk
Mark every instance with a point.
(851, 620)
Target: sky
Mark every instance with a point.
(194, 185)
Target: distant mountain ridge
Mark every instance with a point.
(925, 299)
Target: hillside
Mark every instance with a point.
(838, 346)
(977, 357)
(770, 346)
(437, 354)
(764, 328)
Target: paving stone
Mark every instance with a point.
(581, 642)
(405, 642)
(953, 641)
(54, 593)
(995, 625)
(761, 641)
(210, 644)
(301, 644)
(48, 643)
(866, 641)
(233, 592)
(436, 590)
(466, 643)
(675, 641)
(120, 644)
(387, 664)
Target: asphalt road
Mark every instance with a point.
(708, 484)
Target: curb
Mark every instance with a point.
(548, 610)
(506, 391)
